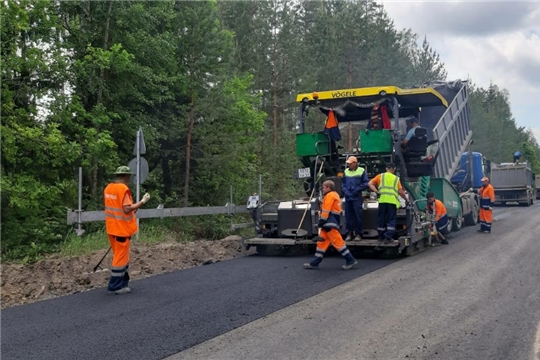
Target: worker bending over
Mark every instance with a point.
(436, 207)
(329, 229)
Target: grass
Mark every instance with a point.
(152, 231)
(81, 245)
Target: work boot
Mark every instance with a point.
(309, 266)
(358, 237)
(444, 242)
(479, 230)
(349, 237)
(122, 291)
(349, 266)
(388, 240)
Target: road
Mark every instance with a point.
(477, 298)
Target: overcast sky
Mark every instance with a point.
(486, 41)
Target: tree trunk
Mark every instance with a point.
(190, 130)
(349, 85)
(95, 166)
(274, 96)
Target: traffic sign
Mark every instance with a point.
(144, 170)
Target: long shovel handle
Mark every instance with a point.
(100, 261)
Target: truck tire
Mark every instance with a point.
(457, 222)
(471, 219)
(448, 228)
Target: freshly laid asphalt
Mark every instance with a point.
(167, 313)
(477, 298)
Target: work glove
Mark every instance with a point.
(490, 208)
(145, 198)
(321, 223)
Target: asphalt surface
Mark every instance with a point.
(478, 298)
(167, 313)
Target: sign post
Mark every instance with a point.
(139, 166)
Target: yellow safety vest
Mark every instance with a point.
(389, 189)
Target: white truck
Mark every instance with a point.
(513, 182)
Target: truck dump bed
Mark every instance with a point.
(451, 126)
(511, 176)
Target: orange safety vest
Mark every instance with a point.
(117, 222)
(438, 209)
(487, 196)
(331, 210)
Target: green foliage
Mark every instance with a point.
(495, 132)
(212, 84)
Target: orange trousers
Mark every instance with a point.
(486, 218)
(120, 262)
(331, 237)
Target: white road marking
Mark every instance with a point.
(536, 347)
(501, 216)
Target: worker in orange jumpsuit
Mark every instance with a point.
(437, 208)
(329, 222)
(487, 199)
(121, 225)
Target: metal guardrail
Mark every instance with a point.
(92, 216)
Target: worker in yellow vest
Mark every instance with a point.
(388, 186)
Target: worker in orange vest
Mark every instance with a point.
(437, 208)
(121, 225)
(487, 199)
(329, 223)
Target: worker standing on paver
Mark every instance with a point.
(121, 225)
(388, 186)
(354, 182)
(329, 229)
(487, 200)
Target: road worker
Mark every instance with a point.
(517, 156)
(329, 221)
(436, 207)
(121, 225)
(388, 186)
(415, 123)
(487, 199)
(354, 182)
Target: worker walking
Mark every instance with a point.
(354, 182)
(388, 186)
(329, 229)
(436, 207)
(487, 199)
(121, 225)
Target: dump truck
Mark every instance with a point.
(537, 186)
(431, 159)
(472, 168)
(513, 182)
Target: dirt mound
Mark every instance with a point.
(57, 276)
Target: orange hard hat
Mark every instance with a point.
(352, 159)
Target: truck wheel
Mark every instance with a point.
(471, 219)
(449, 227)
(457, 222)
